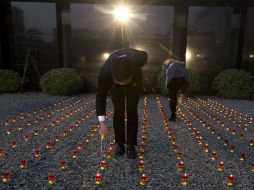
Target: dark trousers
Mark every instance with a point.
(125, 96)
(174, 86)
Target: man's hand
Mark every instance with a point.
(103, 131)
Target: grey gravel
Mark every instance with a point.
(160, 159)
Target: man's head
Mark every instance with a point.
(122, 69)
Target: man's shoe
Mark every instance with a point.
(120, 150)
(131, 152)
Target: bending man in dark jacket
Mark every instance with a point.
(176, 78)
(121, 73)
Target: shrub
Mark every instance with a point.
(9, 81)
(194, 83)
(233, 83)
(63, 81)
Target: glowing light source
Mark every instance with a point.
(143, 179)
(6, 177)
(251, 56)
(105, 56)
(98, 179)
(188, 55)
(122, 13)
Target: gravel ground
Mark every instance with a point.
(160, 158)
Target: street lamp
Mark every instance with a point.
(122, 14)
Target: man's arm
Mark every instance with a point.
(104, 83)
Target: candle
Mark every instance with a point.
(232, 149)
(230, 181)
(65, 132)
(6, 177)
(185, 179)
(6, 122)
(19, 127)
(251, 142)
(214, 155)
(241, 136)
(22, 164)
(1, 151)
(79, 145)
(221, 166)
(14, 119)
(26, 137)
(36, 132)
(108, 154)
(242, 156)
(206, 147)
(74, 154)
(37, 153)
(252, 167)
(88, 138)
(98, 179)
(103, 165)
(62, 164)
(48, 144)
(70, 128)
(111, 146)
(9, 131)
(143, 179)
(45, 127)
(141, 154)
(14, 144)
(141, 165)
(179, 155)
(51, 179)
(181, 166)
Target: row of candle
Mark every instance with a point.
(213, 131)
(233, 111)
(181, 164)
(232, 148)
(221, 123)
(226, 115)
(48, 145)
(141, 165)
(214, 155)
(37, 118)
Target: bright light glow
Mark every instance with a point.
(251, 56)
(139, 48)
(188, 55)
(122, 13)
(105, 55)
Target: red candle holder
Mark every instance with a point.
(111, 146)
(103, 165)
(6, 122)
(206, 147)
(62, 164)
(252, 167)
(242, 156)
(1, 152)
(65, 132)
(108, 154)
(185, 179)
(231, 180)
(141, 165)
(141, 154)
(143, 179)
(45, 127)
(79, 145)
(74, 154)
(14, 144)
(36, 120)
(214, 155)
(71, 128)
(98, 179)
(48, 144)
(232, 149)
(221, 166)
(57, 138)
(6, 176)
(88, 138)
(179, 155)
(51, 179)
(36, 132)
(22, 164)
(14, 119)
(26, 137)
(9, 131)
(241, 136)
(37, 153)
(225, 142)
(29, 123)
(19, 127)
(251, 142)
(181, 166)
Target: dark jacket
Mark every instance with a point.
(174, 70)
(106, 81)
